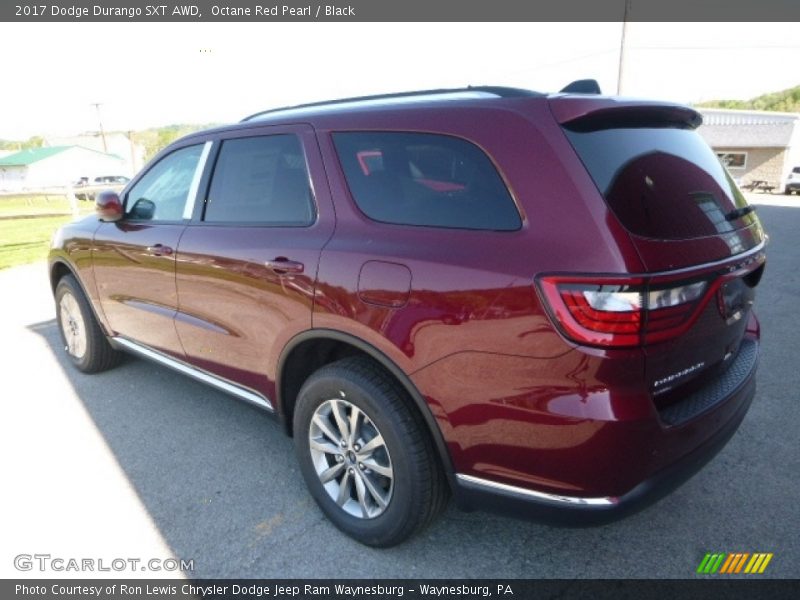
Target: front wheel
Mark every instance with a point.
(365, 454)
(84, 340)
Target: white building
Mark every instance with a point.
(55, 166)
(115, 143)
(754, 144)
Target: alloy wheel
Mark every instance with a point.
(351, 458)
(72, 325)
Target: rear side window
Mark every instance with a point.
(661, 182)
(261, 180)
(425, 179)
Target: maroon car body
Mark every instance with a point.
(527, 408)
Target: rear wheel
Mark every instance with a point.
(365, 455)
(84, 340)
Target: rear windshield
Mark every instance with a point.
(425, 179)
(661, 182)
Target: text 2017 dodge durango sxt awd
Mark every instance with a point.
(537, 303)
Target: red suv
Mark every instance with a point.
(537, 303)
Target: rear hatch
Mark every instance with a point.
(699, 240)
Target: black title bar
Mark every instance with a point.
(388, 589)
(401, 11)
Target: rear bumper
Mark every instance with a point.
(480, 493)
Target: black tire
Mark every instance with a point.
(418, 491)
(96, 354)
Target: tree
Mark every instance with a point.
(36, 141)
(783, 101)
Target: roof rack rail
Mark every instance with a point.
(499, 91)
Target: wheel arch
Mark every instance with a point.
(57, 270)
(312, 349)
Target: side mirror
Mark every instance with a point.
(143, 209)
(108, 206)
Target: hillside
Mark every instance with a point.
(783, 101)
(156, 138)
(153, 139)
(15, 146)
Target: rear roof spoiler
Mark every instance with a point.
(589, 114)
(582, 86)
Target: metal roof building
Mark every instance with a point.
(38, 168)
(754, 145)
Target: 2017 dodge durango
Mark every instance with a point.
(538, 303)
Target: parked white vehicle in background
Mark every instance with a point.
(86, 188)
(792, 184)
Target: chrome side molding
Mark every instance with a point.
(541, 496)
(200, 375)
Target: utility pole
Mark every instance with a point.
(133, 152)
(97, 105)
(621, 71)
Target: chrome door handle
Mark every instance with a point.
(283, 266)
(159, 250)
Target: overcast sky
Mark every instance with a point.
(157, 74)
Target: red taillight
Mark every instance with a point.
(622, 311)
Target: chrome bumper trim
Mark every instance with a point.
(540, 496)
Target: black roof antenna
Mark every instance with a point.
(582, 86)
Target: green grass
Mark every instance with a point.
(25, 241)
(38, 205)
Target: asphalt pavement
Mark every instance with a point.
(141, 462)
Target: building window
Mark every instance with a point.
(733, 160)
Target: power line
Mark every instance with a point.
(634, 47)
(563, 62)
(736, 47)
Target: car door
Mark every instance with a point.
(134, 258)
(247, 263)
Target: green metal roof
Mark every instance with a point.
(32, 155)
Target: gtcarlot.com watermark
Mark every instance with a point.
(47, 562)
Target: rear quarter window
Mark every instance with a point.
(426, 180)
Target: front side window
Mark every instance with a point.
(161, 194)
(425, 179)
(261, 180)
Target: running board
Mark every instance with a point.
(200, 375)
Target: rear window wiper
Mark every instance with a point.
(738, 213)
